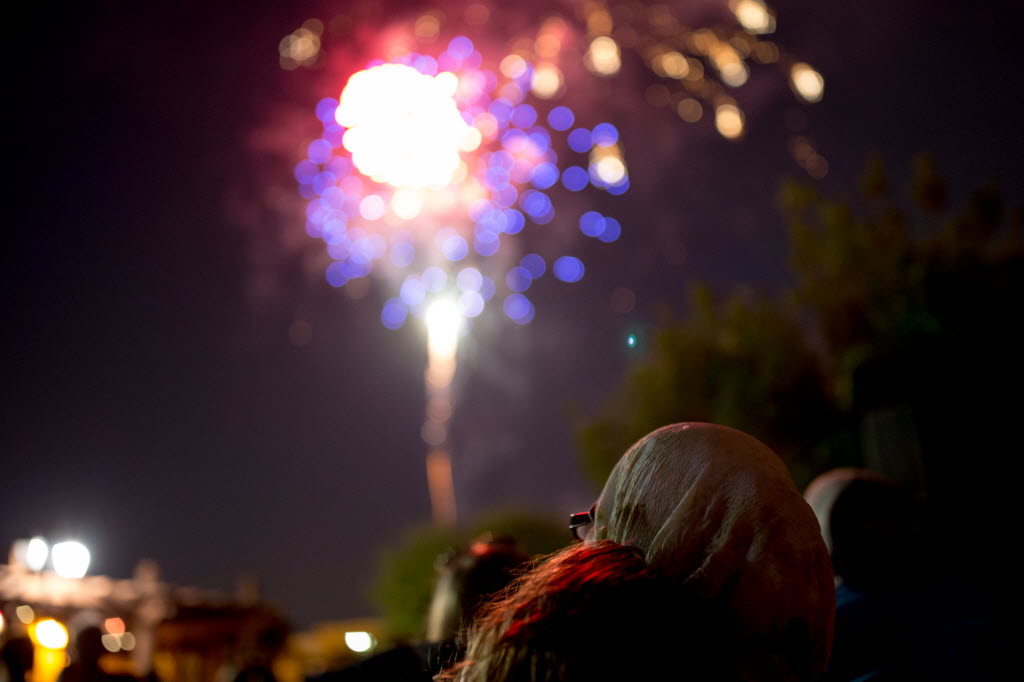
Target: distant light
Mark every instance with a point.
(561, 118)
(671, 65)
(443, 325)
(111, 643)
(114, 626)
(518, 308)
(406, 203)
(518, 279)
(3, 623)
(547, 81)
(51, 634)
(36, 554)
(359, 642)
(534, 264)
(807, 82)
(729, 121)
(612, 230)
(471, 303)
(689, 110)
(460, 47)
(753, 16)
(70, 559)
(513, 66)
(592, 223)
(603, 56)
(575, 178)
(393, 314)
(127, 641)
(25, 613)
(404, 127)
(372, 207)
(581, 140)
(631, 341)
(605, 135)
(610, 169)
(469, 279)
(568, 269)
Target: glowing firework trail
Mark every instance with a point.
(424, 168)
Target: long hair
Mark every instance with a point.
(595, 612)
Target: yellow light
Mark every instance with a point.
(406, 203)
(689, 110)
(610, 169)
(359, 641)
(404, 127)
(729, 121)
(3, 623)
(753, 16)
(427, 27)
(807, 82)
(51, 634)
(603, 56)
(25, 613)
(734, 74)
(671, 65)
(546, 81)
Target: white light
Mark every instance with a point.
(443, 325)
(70, 559)
(404, 127)
(359, 641)
(51, 634)
(110, 643)
(36, 553)
(807, 82)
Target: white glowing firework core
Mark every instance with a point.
(404, 127)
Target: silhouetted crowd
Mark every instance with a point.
(701, 560)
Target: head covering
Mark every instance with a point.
(717, 508)
(870, 526)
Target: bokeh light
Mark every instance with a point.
(429, 166)
(51, 634)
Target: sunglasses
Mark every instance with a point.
(579, 522)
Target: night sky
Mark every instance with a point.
(154, 401)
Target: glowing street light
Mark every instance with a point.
(70, 559)
(36, 554)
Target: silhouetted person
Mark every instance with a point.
(465, 581)
(86, 665)
(898, 615)
(17, 655)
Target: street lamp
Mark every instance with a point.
(70, 559)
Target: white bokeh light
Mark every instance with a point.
(404, 127)
(70, 559)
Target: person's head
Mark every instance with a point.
(718, 510)
(467, 579)
(598, 612)
(870, 525)
(89, 645)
